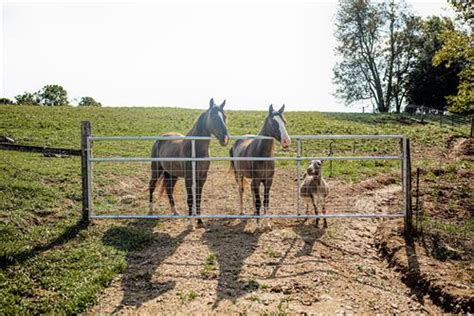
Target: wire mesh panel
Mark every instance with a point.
(363, 173)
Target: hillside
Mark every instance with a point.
(49, 264)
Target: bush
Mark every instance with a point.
(89, 101)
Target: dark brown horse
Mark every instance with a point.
(259, 172)
(211, 122)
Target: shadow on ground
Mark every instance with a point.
(310, 233)
(146, 250)
(68, 234)
(232, 245)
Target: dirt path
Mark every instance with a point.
(294, 268)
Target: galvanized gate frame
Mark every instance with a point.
(88, 160)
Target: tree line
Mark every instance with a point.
(391, 57)
(49, 95)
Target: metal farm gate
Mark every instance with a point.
(88, 160)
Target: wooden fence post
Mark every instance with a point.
(85, 132)
(407, 190)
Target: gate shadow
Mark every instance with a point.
(231, 245)
(68, 234)
(146, 250)
(413, 269)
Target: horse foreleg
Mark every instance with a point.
(169, 183)
(240, 182)
(200, 186)
(267, 185)
(189, 199)
(256, 198)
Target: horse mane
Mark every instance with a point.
(198, 126)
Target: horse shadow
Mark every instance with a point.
(232, 245)
(146, 250)
(310, 234)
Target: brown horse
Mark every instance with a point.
(259, 172)
(210, 122)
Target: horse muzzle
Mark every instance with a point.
(285, 143)
(225, 141)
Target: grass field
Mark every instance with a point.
(48, 264)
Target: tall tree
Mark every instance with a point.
(53, 95)
(458, 48)
(376, 43)
(27, 98)
(426, 84)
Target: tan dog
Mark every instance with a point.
(314, 188)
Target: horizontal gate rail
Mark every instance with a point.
(146, 159)
(321, 137)
(225, 216)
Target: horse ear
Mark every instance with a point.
(222, 105)
(211, 103)
(270, 109)
(281, 109)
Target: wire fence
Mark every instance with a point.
(424, 114)
(118, 182)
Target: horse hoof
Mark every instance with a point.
(151, 207)
(325, 225)
(200, 224)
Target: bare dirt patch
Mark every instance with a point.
(461, 148)
(448, 282)
(230, 267)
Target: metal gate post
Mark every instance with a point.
(298, 180)
(193, 164)
(86, 172)
(407, 187)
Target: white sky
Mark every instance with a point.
(177, 54)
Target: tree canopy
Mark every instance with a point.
(426, 84)
(53, 95)
(458, 49)
(5, 101)
(27, 98)
(376, 41)
(89, 101)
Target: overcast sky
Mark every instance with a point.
(181, 54)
